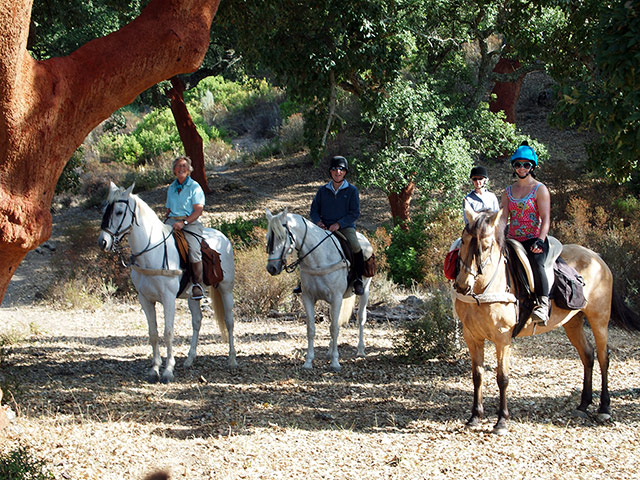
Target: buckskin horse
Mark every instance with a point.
(488, 311)
(156, 274)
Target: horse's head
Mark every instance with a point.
(479, 240)
(280, 242)
(118, 218)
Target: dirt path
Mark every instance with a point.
(77, 380)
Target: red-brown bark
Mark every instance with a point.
(191, 139)
(48, 107)
(507, 93)
(400, 204)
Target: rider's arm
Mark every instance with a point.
(543, 199)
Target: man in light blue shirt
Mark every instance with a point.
(185, 204)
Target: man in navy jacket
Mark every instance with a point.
(336, 206)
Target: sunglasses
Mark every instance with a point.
(477, 179)
(522, 164)
(338, 169)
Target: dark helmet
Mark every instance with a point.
(479, 171)
(525, 152)
(339, 161)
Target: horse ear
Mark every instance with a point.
(269, 214)
(130, 189)
(497, 218)
(470, 212)
(113, 187)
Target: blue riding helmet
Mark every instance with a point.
(525, 152)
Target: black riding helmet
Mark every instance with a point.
(338, 161)
(479, 171)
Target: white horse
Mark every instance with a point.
(323, 275)
(156, 274)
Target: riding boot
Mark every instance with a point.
(197, 293)
(358, 265)
(540, 314)
(298, 289)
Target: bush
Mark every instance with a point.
(244, 233)
(432, 336)
(403, 255)
(20, 464)
(259, 291)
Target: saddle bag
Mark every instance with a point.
(451, 264)
(568, 287)
(370, 267)
(212, 273)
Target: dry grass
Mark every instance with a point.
(83, 406)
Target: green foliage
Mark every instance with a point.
(120, 147)
(148, 178)
(20, 464)
(69, 180)
(604, 94)
(244, 233)
(403, 255)
(433, 335)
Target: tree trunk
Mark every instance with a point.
(191, 139)
(507, 93)
(400, 203)
(48, 107)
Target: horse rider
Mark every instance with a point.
(527, 208)
(480, 198)
(336, 207)
(185, 204)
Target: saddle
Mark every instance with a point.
(212, 273)
(522, 276)
(370, 267)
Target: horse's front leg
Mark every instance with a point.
(503, 354)
(476, 351)
(362, 317)
(309, 307)
(335, 331)
(196, 322)
(149, 309)
(169, 317)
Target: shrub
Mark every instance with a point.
(403, 255)
(432, 336)
(20, 464)
(244, 233)
(259, 291)
(292, 134)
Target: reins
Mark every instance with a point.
(291, 267)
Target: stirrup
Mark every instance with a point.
(197, 297)
(358, 287)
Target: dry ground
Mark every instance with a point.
(77, 379)
(78, 388)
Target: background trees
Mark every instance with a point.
(48, 107)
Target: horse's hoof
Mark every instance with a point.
(603, 417)
(500, 430)
(167, 377)
(188, 362)
(361, 354)
(153, 377)
(307, 366)
(335, 368)
(580, 414)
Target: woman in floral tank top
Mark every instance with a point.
(526, 205)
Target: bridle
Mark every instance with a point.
(292, 242)
(120, 233)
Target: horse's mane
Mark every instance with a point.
(483, 224)
(276, 228)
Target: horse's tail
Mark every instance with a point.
(218, 310)
(622, 315)
(346, 309)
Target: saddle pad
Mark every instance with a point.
(183, 246)
(555, 249)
